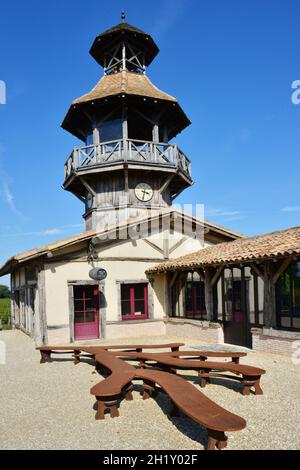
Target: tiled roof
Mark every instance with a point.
(88, 235)
(124, 82)
(281, 243)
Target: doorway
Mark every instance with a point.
(86, 312)
(236, 321)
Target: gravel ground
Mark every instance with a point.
(49, 406)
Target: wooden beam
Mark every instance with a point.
(269, 295)
(216, 276)
(178, 244)
(257, 271)
(166, 246)
(201, 275)
(166, 183)
(283, 266)
(208, 275)
(173, 279)
(153, 245)
(87, 186)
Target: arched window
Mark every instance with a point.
(288, 298)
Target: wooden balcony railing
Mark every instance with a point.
(127, 150)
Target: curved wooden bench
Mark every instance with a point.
(112, 388)
(204, 355)
(139, 347)
(186, 398)
(46, 351)
(250, 376)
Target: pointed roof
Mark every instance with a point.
(125, 82)
(112, 36)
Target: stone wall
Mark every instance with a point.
(200, 330)
(275, 341)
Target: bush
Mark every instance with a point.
(4, 292)
(5, 311)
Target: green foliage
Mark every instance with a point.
(5, 311)
(4, 292)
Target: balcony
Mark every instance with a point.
(131, 152)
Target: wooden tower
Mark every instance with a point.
(126, 124)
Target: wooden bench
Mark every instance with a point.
(204, 355)
(110, 390)
(184, 396)
(139, 348)
(46, 351)
(249, 376)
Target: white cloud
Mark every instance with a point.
(7, 194)
(51, 231)
(221, 213)
(65, 229)
(291, 209)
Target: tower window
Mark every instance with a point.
(110, 130)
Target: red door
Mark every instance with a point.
(86, 312)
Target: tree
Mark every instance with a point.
(4, 292)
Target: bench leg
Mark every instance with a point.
(128, 393)
(111, 406)
(45, 357)
(216, 439)
(142, 364)
(76, 357)
(247, 384)
(203, 381)
(175, 349)
(148, 389)
(257, 388)
(235, 360)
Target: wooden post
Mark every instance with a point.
(155, 133)
(40, 334)
(208, 274)
(124, 131)
(269, 295)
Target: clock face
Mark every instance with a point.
(89, 201)
(143, 192)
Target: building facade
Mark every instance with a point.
(141, 267)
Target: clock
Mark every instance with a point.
(143, 192)
(89, 201)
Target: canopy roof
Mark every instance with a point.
(120, 32)
(262, 247)
(120, 85)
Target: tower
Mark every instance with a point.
(126, 163)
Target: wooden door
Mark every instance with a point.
(86, 312)
(236, 325)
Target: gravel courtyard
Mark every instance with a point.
(49, 406)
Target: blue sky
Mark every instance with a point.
(229, 63)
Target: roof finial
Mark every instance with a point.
(123, 16)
